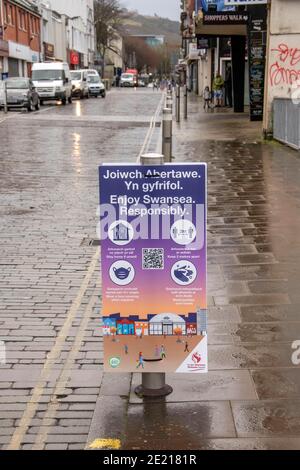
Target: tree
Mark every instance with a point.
(164, 67)
(108, 18)
(139, 55)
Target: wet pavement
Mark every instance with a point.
(52, 392)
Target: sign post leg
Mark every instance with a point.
(153, 384)
(167, 134)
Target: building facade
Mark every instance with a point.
(283, 56)
(54, 34)
(20, 37)
(80, 30)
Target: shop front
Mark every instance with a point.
(20, 59)
(74, 60)
(3, 57)
(48, 51)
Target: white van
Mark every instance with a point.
(80, 87)
(52, 81)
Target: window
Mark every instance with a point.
(22, 20)
(8, 14)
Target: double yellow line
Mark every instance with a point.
(53, 356)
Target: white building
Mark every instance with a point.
(283, 57)
(80, 31)
(54, 34)
(166, 323)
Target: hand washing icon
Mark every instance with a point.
(184, 272)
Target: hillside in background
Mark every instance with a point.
(139, 24)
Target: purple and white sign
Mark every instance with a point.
(153, 232)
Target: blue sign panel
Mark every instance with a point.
(205, 4)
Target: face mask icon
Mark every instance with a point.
(122, 273)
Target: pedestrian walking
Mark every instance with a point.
(140, 361)
(207, 98)
(162, 352)
(126, 348)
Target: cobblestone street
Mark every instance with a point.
(53, 394)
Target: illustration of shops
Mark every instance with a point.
(163, 324)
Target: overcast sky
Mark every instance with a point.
(164, 8)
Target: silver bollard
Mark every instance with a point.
(185, 92)
(169, 101)
(167, 134)
(177, 103)
(5, 97)
(153, 383)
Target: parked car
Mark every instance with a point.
(80, 87)
(21, 93)
(52, 81)
(96, 86)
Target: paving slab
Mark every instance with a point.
(215, 386)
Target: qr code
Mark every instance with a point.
(153, 258)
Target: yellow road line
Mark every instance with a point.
(110, 444)
(64, 377)
(150, 131)
(54, 354)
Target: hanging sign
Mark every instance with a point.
(153, 232)
(245, 2)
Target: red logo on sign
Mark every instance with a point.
(74, 58)
(196, 358)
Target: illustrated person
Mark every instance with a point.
(207, 98)
(175, 232)
(140, 361)
(126, 348)
(186, 349)
(163, 352)
(218, 85)
(191, 232)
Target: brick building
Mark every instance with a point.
(20, 22)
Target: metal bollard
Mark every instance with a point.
(169, 101)
(177, 103)
(5, 97)
(185, 92)
(167, 134)
(153, 383)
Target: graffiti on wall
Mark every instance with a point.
(285, 66)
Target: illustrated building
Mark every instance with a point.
(125, 327)
(141, 328)
(202, 321)
(166, 323)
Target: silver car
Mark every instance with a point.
(21, 93)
